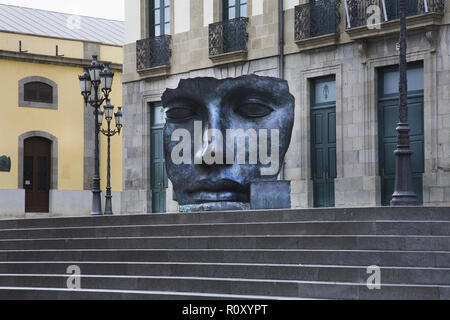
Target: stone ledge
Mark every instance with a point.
(53, 60)
(155, 72)
(229, 57)
(392, 27)
(317, 42)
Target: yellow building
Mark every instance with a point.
(46, 131)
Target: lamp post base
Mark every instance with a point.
(96, 203)
(108, 205)
(404, 194)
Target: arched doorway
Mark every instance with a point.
(37, 174)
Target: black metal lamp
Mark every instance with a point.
(100, 115)
(95, 68)
(85, 84)
(109, 114)
(106, 77)
(109, 111)
(95, 80)
(404, 194)
(118, 115)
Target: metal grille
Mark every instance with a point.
(317, 18)
(435, 6)
(393, 8)
(153, 52)
(358, 9)
(228, 36)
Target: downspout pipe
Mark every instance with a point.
(281, 37)
(281, 58)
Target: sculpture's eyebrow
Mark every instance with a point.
(242, 91)
(180, 96)
(180, 100)
(198, 91)
(194, 89)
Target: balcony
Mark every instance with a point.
(228, 41)
(317, 24)
(153, 56)
(421, 14)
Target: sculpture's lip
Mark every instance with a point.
(225, 196)
(218, 190)
(222, 185)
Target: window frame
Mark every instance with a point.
(162, 18)
(237, 6)
(37, 91)
(38, 104)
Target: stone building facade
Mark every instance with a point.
(344, 50)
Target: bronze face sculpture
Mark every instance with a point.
(223, 135)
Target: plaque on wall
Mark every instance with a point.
(5, 164)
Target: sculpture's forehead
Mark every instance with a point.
(212, 88)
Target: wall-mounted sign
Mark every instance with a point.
(5, 164)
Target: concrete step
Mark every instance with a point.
(420, 243)
(425, 228)
(28, 293)
(231, 286)
(332, 214)
(434, 259)
(325, 273)
(279, 254)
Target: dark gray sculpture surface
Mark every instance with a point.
(270, 195)
(212, 175)
(5, 164)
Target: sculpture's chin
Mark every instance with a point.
(216, 206)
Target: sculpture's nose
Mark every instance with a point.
(212, 147)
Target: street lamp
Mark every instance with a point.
(109, 114)
(404, 194)
(95, 80)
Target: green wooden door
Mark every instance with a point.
(158, 175)
(387, 122)
(323, 140)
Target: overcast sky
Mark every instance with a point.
(109, 9)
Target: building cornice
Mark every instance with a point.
(53, 60)
(61, 38)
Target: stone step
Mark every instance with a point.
(421, 243)
(28, 293)
(436, 259)
(435, 228)
(331, 214)
(327, 273)
(277, 254)
(231, 286)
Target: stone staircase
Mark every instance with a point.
(277, 254)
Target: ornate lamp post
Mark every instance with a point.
(108, 113)
(95, 80)
(404, 194)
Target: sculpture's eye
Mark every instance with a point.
(253, 110)
(179, 114)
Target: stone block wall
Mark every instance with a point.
(358, 180)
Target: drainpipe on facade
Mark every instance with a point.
(281, 58)
(281, 37)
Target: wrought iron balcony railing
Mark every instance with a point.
(359, 11)
(228, 36)
(317, 18)
(153, 52)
